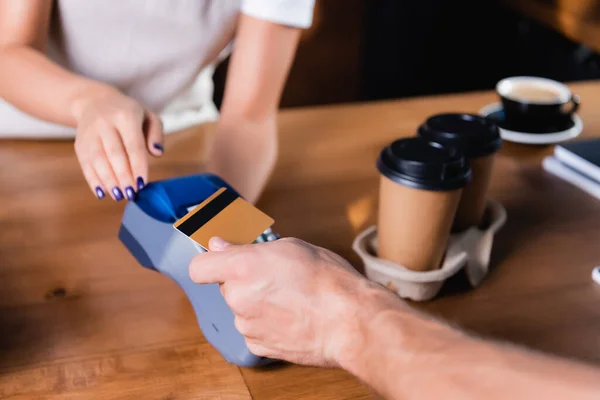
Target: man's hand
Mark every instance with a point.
(292, 301)
(300, 303)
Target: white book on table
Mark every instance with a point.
(561, 170)
(582, 155)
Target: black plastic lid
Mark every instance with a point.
(473, 135)
(421, 164)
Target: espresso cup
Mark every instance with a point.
(532, 101)
(420, 188)
(478, 139)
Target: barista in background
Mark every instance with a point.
(108, 68)
(304, 304)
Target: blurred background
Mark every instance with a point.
(379, 49)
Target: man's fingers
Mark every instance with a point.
(259, 349)
(241, 299)
(213, 267)
(226, 262)
(153, 129)
(246, 327)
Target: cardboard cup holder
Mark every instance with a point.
(470, 250)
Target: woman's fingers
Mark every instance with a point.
(153, 130)
(93, 181)
(90, 175)
(118, 159)
(99, 163)
(132, 137)
(114, 134)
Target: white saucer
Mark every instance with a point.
(535, 138)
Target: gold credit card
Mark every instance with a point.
(226, 215)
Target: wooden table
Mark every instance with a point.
(579, 20)
(79, 319)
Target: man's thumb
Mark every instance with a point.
(218, 244)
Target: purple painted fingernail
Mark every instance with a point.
(130, 193)
(99, 192)
(140, 183)
(158, 147)
(117, 193)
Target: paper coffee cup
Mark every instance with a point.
(420, 187)
(478, 139)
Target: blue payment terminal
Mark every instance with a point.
(147, 232)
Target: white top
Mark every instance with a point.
(152, 50)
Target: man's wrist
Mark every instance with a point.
(384, 332)
(365, 305)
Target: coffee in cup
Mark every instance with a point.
(478, 139)
(530, 102)
(420, 187)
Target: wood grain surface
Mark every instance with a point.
(79, 319)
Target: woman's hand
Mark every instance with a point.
(292, 301)
(114, 132)
(114, 135)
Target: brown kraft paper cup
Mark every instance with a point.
(414, 235)
(474, 197)
(479, 140)
(420, 188)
